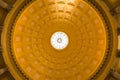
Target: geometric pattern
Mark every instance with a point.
(31, 40)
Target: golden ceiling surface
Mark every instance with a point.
(31, 47)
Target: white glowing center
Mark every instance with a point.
(59, 40)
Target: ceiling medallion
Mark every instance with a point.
(59, 40)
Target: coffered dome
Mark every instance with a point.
(59, 40)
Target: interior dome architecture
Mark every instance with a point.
(60, 39)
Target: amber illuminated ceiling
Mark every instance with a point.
(36, 57)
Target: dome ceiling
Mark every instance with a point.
(58, 40)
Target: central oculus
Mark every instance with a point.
(59, 40)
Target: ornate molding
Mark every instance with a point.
(110, 35)
(95, 5)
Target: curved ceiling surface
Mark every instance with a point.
(31, 40)
(81, 53)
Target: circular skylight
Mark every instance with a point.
(59, 40)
